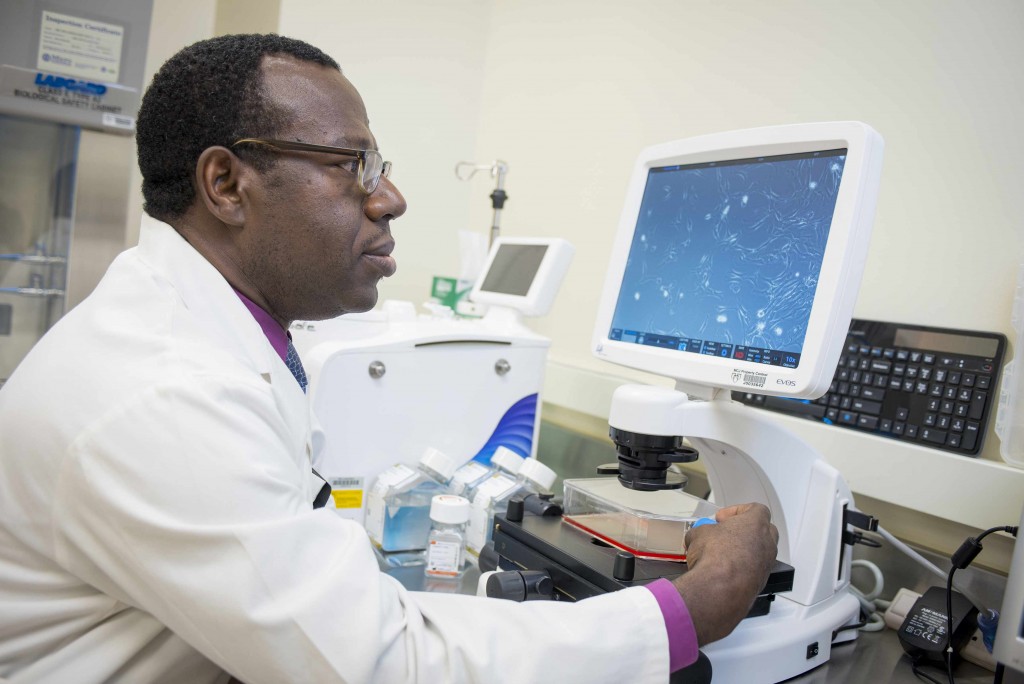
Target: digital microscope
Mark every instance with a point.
(735, 267)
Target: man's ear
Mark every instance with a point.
(220, 184)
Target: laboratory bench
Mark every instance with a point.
(872, 658)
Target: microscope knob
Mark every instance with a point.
(516, 507)
(520, 585)
(625, 566)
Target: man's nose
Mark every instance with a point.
(385, 202)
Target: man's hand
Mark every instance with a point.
(728, 565)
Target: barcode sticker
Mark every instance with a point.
(749, 378)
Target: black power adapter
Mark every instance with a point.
(923, 632)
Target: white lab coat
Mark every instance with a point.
(156, 524)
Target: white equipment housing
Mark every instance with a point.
(748, 457)
(388, 384)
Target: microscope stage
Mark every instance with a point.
(581, 566)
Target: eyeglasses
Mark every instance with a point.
(371, 165)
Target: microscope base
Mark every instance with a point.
(787, 642)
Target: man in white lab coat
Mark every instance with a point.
(157, 501)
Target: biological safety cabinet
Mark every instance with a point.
(70, 81)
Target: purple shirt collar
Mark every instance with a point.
(276, 335)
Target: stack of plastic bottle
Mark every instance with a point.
(493, 494)
(398, 506)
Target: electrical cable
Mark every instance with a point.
(924, 562)
(872, 607)
(921, 674)
(960, 559)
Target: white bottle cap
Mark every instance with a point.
(538, 473)
(449, 509)
(440, 462)
(507, 460)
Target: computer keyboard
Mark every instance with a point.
(934, 387)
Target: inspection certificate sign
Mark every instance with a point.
(85, 48)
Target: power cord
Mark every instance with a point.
(872, 607)
(960, 559)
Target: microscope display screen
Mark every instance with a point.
(513, 269)
(726, 255)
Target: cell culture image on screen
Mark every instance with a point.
(726, 255)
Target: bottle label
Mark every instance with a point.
(444, 558)
(494, 487)
(481, 513)
(471, 472)
(476, 531)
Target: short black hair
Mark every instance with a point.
(210, 93)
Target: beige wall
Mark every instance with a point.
(420, 67)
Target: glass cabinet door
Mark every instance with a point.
(37, 181)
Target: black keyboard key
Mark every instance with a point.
(868, 422)
(925, 374)
(872, 393)
(848, 417)
(795, 406)
(902, 355)
(953, 441)
(942, 422)
(949, 392)
(929, 420)
(954, 378)
(962, 409)
(970, 436)
(895, 385)
(885, 425)
(964, 395)
(929, 359)
(957, 425)
(881, 380)
(911, 430)
(898, 428)
(933, 404)
(984, 382)
(845, 403)
(832, 414)
(934, 436)
(902, 413)
(880, 366)
(968, 380)
(872, 407)
(978, 405)
(947, 407)
(940, 375)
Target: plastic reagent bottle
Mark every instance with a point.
(398, 505)
(446, 543)
(504, 461)
(492, 497)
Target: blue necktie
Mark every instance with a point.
(295, 366)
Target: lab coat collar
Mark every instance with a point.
(207, 294)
